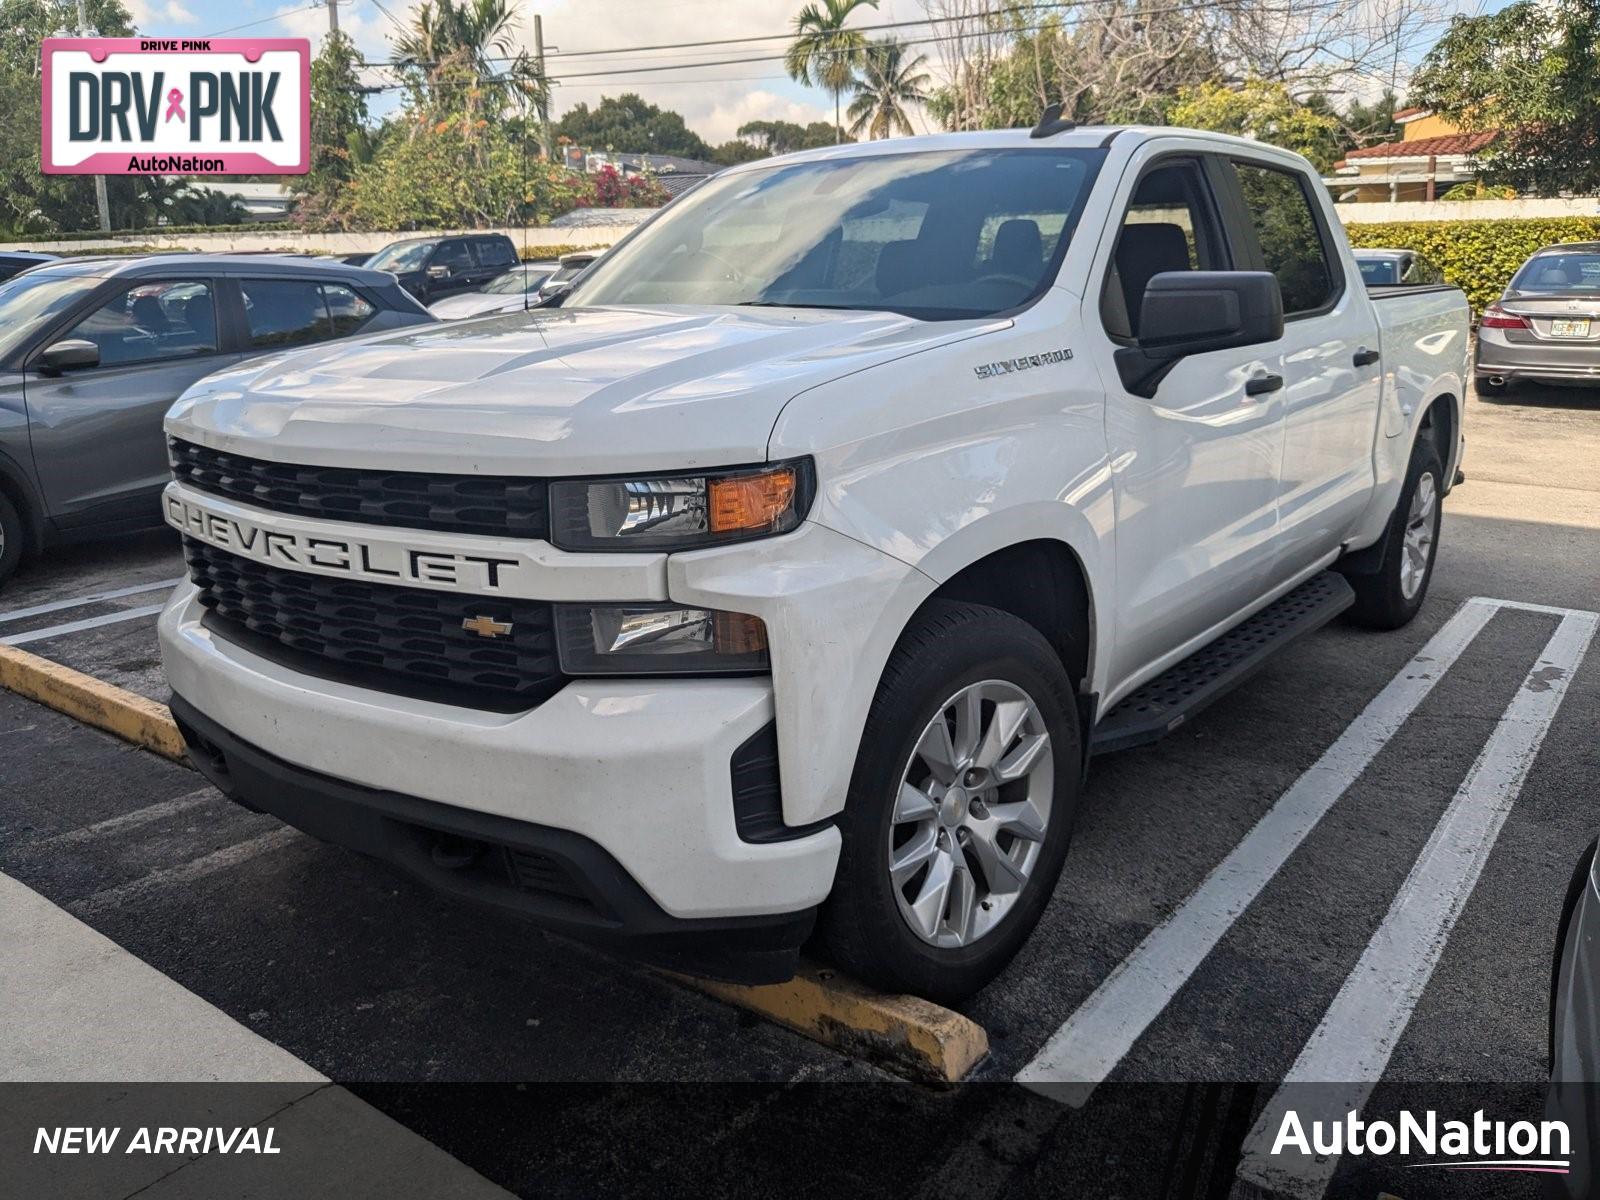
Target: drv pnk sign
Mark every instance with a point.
(170, 106)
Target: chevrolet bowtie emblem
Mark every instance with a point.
(487, 627)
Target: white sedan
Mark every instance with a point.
(515, 290)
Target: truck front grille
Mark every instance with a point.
(494, 505)
(404, 641)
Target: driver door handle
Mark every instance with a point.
(1364, 357)
(1260, 385)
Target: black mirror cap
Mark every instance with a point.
(1194, 312)
(68, 354)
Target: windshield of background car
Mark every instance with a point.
(399, 259)
(1576, 272)
(1379, 270)
(516, 281)
(938, 235)
(29, 301)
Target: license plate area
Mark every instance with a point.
(1569, 329)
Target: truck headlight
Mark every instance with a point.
(680, 511)
(658, 639)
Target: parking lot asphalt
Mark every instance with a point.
(367, 977)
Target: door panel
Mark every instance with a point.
(98, 445)
(1196, 466)
(1331, 404)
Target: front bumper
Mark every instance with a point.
(553, 877)
(640, 768)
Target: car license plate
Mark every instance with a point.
(1573, 329)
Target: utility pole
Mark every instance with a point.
(102, 202)
(333, 16)
(544, 89)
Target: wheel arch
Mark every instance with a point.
(18, 488)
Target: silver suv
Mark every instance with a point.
(94, 351)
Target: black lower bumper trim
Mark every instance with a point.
(556, 878)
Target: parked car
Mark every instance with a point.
(514, 291)
(1396, 268)
(94, 351)
(787, 575)
(562, 279)
(350, 260)
(433, 268)
(14, 262)
(1546, 326)
(1574, 1096)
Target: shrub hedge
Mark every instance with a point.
(1479, 257)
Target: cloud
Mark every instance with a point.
(147, 13)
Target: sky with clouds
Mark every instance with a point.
(714, 100)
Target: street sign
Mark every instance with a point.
(171, 106)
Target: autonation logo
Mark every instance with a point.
(1481, 1144)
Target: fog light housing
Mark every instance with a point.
(659, 639)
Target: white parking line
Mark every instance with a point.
(50, 631)
(1357, 1036)
(124, 821)
(1085, 1050)
(17, 614)
(189, 872)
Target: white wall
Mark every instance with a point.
(331, 243)
(1464, 210)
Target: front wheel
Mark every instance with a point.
(1390, 596)
(11, 538)
(960, 808)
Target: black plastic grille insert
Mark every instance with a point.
(404, 641)
(495, 505)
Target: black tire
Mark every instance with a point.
(948, 647)
(1382, 600)
(12, 537)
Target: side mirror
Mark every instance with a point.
(550, 295)
(67, 355)
(1193, 312)
(440, 271)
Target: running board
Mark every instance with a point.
(1171, 698)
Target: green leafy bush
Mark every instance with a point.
(1479, 257)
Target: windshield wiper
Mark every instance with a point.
(799, 304)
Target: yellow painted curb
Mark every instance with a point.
(906, 1034)
(116, 710)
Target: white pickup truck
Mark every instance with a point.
(782, 581)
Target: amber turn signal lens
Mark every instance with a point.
(739, 633)
(751, 503)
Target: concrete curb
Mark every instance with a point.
(904, 1034)
(129, 716)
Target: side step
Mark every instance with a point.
(1171, 698)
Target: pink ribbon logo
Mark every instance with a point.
(175, 105)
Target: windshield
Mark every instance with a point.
(1578, 271)
(28, 301)
(935, 234)
(406, 256)
(1379, 270)
(516, 281)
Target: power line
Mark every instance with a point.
(265, 20)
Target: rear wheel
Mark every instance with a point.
(11, 538)
(960, 808)
(1390, 596)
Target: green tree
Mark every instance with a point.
(1530, 72)
(630, 125)
(32, 202)
(1370, 124)
(785, 137)
(891, 81)
(824, 52)
(339, 138)
(1263, 110)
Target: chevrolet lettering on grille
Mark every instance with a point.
(329, 554)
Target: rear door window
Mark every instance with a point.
(284, 312)
(1288, 234)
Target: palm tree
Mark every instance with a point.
(472, 37)
(824, 53)
(889, 83)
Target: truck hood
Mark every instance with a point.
(553, 391)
